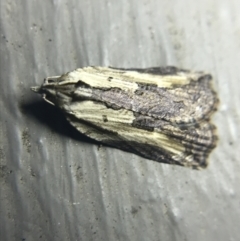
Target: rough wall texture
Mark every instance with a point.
(55, 185)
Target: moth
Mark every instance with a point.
(159, 113)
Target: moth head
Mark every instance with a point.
(52, 92)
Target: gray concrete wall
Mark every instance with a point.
(55, 185)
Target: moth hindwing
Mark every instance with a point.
(159, 113)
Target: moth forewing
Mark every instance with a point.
(160, 113)
(151, 76)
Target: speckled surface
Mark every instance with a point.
(55, 184)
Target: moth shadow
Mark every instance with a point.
(54, 119)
